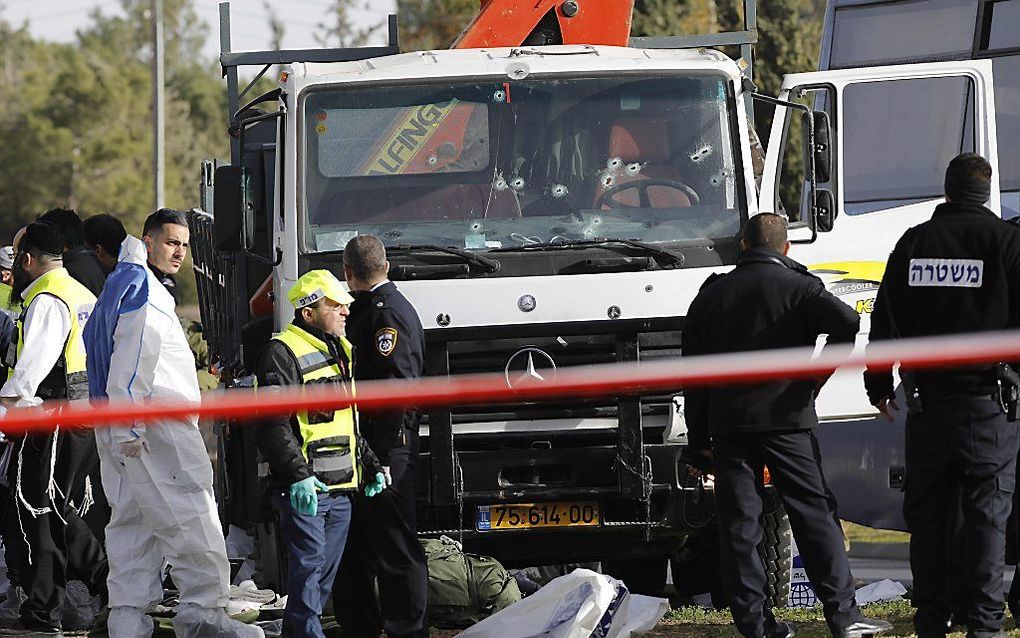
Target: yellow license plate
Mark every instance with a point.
(532, 515)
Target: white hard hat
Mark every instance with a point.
(6, 257)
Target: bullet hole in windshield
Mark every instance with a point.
(517, 183)
(719, 178)
(701, 153)
(558, 190)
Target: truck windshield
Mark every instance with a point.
(494, 164)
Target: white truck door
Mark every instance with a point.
(894, 130)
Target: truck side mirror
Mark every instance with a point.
(227, 206)
(253, 198)
(823, 146)
(815, 139)
(824, 211)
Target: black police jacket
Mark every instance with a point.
(768, 301)
(278, 437)
(389, 343)
(957, 272)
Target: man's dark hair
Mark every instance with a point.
(969, 178)
(162, 217)
(106, 231)
(766, 230)
(68, 222)
(42, 239)
(365, 255)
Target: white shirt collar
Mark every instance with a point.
(381, 283)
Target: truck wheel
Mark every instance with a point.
(645, 576)
(697, 567)
(775, 549)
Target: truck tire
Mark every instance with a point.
(697, 569)
(645, 576)
(775, 549)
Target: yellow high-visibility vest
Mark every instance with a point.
(68, 379)
(328, 441)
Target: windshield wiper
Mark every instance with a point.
(489, 265)
(663, 257)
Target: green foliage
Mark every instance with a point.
(673, 17)
(433, 24)
(77, 119)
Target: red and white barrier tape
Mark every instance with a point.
(575, 382)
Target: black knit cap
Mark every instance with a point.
(44, 237)
(969, 179)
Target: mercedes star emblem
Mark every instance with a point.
(527, 303)
(529, 365)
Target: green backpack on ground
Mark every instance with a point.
(465, 589)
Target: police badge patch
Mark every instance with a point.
(386, 341)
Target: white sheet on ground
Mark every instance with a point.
(582, 604)
(879, 591)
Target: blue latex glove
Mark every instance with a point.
(376, 486)
(303, 496)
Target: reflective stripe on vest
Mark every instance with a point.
(328, 440)
(68, 378)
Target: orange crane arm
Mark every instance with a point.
(508, 23)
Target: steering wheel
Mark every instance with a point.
(606, 198)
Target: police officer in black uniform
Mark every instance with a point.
(958, 272)
(770, 301)
(389, 344)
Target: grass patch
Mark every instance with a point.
(861, 534)
(690, 622)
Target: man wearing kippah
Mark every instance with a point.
(959, 272)
(47, 362)
(312, 459)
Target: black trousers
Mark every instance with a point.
(794, 464)
(383, 544)
(60, 546)
(961, 456)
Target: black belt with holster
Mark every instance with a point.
(1007, 395)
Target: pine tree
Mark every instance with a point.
(674, 17)
(433, 24)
